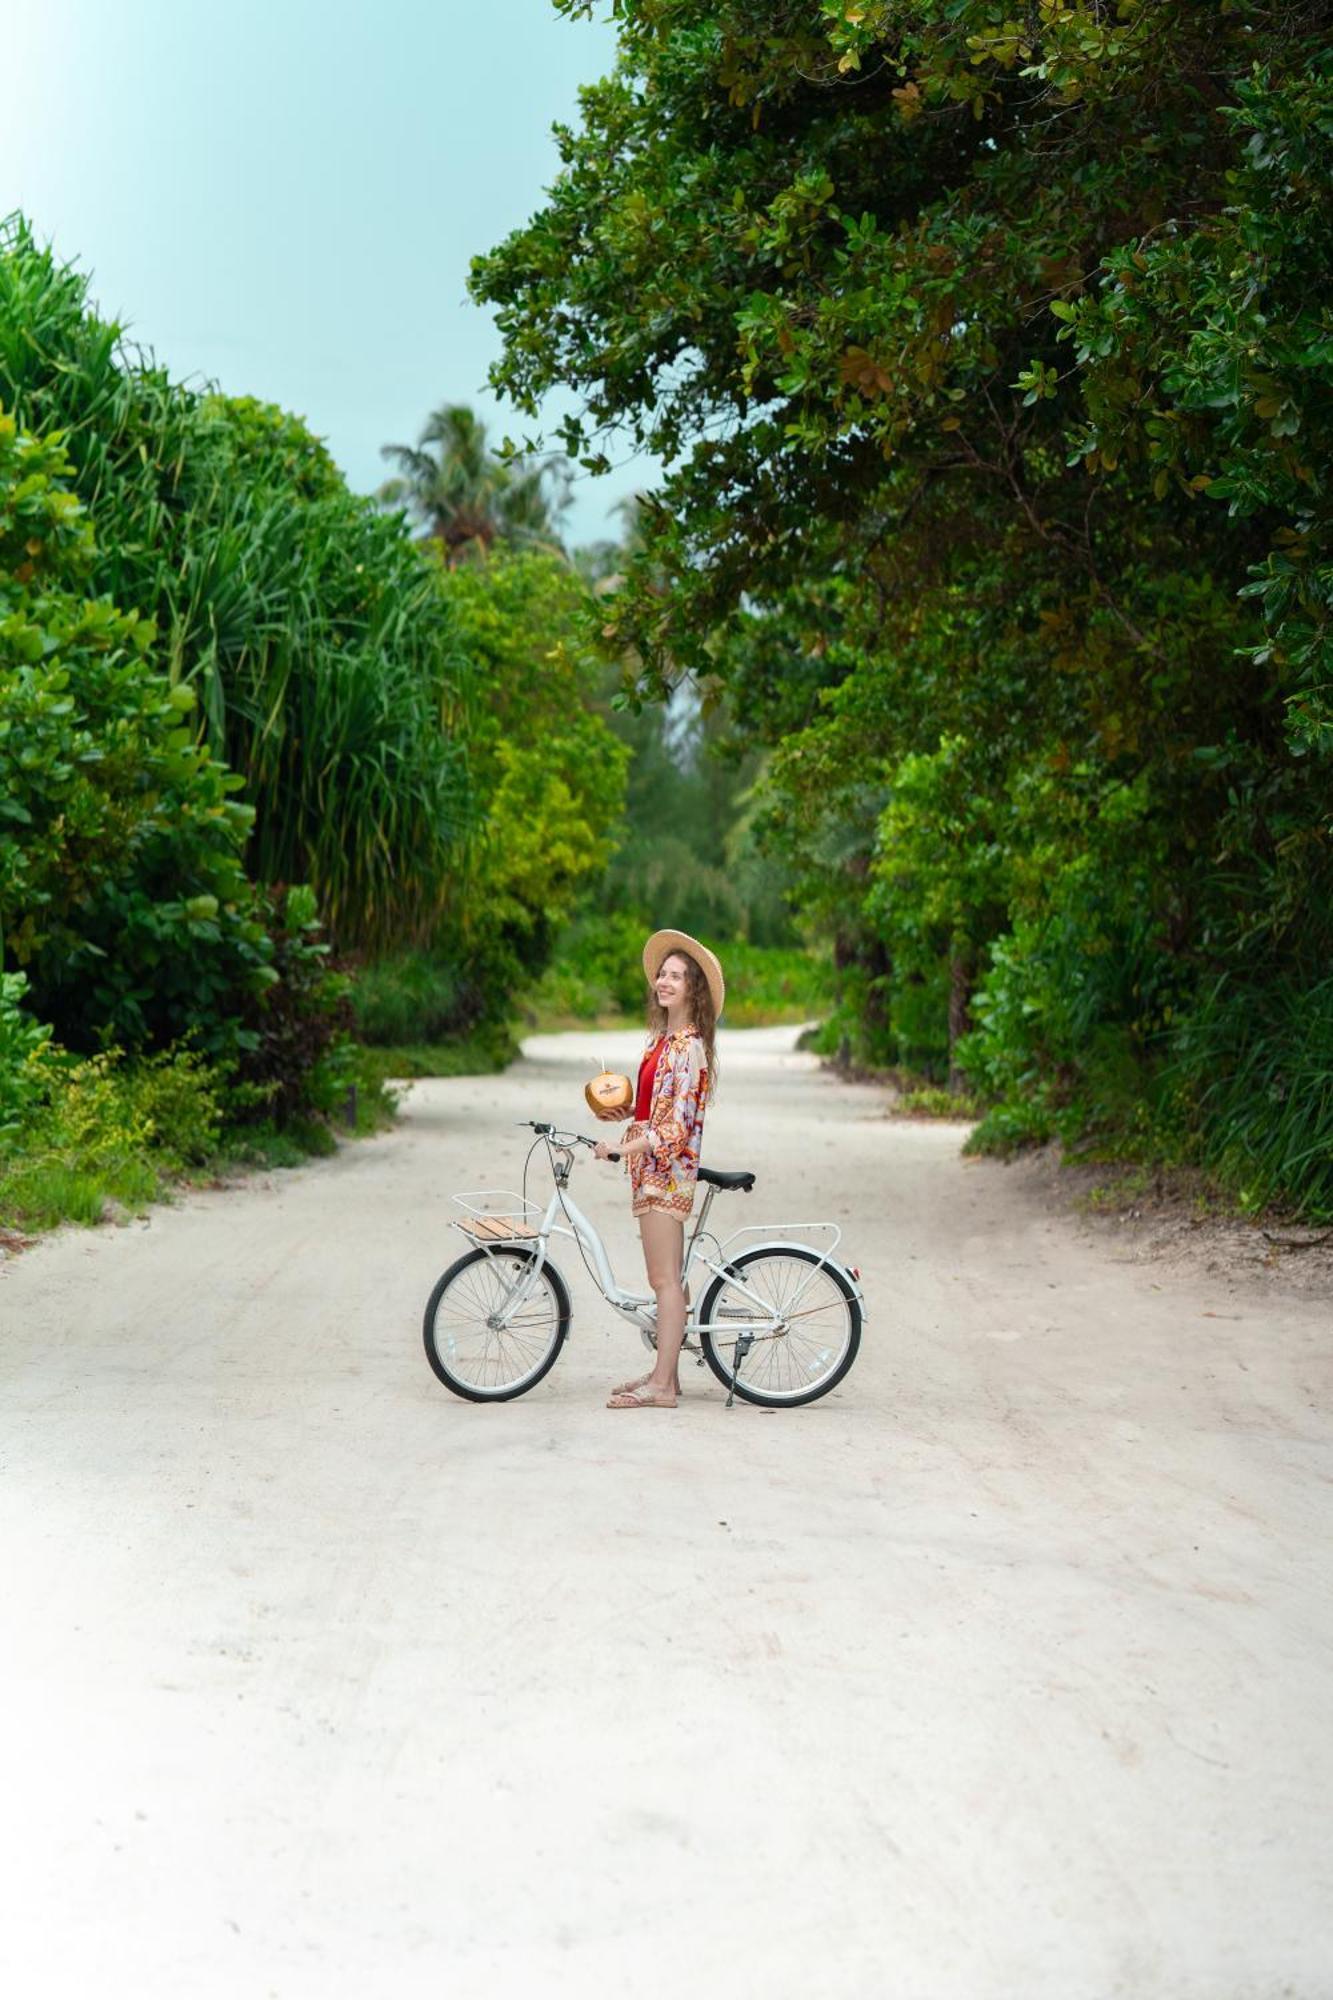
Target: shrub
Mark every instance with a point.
(178, 1098)
(931, 1102)
(104, 1129)
(772, 983)
(596, 969)
(122, 892)
(411, 997)
(297, 1057)
(22, 1040)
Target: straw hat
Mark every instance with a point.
(662, 943)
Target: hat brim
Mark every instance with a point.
(662, 943)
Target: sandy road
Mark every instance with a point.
(1005, 1671)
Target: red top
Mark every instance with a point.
(643, 1097)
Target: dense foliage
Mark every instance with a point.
(549, 778)
(311, 630)
(222, 674)
(991, 352)
(122, 894)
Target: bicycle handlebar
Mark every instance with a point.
(558, 1138)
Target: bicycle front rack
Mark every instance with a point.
(496, 1215)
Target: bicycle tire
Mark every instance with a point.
(720, 1361)
(440, 1357)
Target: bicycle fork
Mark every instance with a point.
(519, 1293)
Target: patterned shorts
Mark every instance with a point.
(650, 1195)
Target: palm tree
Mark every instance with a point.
(467, 497)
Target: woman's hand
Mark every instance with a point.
(628, 1149)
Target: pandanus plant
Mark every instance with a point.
(314, 633)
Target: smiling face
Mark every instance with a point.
(681, 998)
(672, 984)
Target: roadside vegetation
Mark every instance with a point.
(991, 360)
(300, 791)
(968, 681)
(269, 757)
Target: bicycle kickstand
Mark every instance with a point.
(743, 1346)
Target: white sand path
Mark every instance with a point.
(1004, 1671)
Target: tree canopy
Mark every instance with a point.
(991, 354)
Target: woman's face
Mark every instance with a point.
(672, 983)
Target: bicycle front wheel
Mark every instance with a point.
(495, 1323)
(804, 1317)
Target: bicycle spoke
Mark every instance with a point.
(482, 1355)
(798, 1318)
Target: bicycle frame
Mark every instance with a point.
(563, 1217)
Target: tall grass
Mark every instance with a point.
(1257, 1063)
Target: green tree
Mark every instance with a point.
(466, 498)
(549, 771)
(934, 314)
(549, 777)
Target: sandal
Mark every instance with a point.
(636, 1382)
(639, 1397)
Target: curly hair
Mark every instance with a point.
(699, 1001)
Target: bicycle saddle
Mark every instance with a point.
(713, 1178)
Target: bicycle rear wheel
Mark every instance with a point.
(805, 1317)
(470, 1351)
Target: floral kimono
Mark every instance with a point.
(663, 1181)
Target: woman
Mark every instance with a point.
(662, 1145)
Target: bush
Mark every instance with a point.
(767, 984)
(413, 997)
(487, 1050)
(122, 892)
(597, 972)
(179, 1100)
(297, 1057)
(596, 969)
(104, 1129)
(930, 1102)
(21, 1042)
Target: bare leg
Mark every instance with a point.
(637, 1381)
(663, 1253)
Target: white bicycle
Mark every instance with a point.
(779, 1324)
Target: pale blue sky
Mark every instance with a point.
(283, 195)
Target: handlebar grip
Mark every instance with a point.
(615, 1157)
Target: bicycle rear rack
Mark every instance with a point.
(786, 1231)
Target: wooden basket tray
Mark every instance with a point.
(496, 1228)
